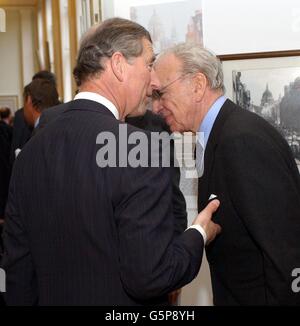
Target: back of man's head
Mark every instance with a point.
(5, 113)
(102, 41)
(46, 75)
(43, 94)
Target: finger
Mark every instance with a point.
(205, 215)
(212, 206)
(215, 230)
(218, 229)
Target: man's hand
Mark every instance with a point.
(1, 221)
(204, 219)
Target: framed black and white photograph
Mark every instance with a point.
(269, 87)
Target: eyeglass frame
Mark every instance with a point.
(158, 93)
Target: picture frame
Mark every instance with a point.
(10, 101)
(185, 23)
(268, 84)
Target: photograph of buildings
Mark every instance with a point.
(273, 94)
(171, 23)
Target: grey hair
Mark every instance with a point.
(102, 41)
(195, 58)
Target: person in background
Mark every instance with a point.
(250, 167)
(6, 116)
(46, 75)
(21, 130)
(39, 95)
(5, 143)
(5, 170)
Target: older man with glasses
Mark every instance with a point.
(246, 163)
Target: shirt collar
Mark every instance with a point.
(100, 99)
(37, 122)
(209, 120)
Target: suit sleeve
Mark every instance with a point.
(17, 262)
(179, 204)
(178, 200)
(152, 263)
(265, 194)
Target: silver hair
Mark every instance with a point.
(195, 58)
(102, 41)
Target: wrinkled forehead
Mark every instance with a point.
(167, 67)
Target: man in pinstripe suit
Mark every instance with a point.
(78, 234)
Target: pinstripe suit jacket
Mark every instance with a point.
(77, 234)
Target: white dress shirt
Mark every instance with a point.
(100, 99)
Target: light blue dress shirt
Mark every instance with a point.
(209, 120)
(204, 132)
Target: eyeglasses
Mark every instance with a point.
(158, 93)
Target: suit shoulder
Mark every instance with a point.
(19, 112)
(55, 110)
(19, 116)
(247, 129)
(242, 122)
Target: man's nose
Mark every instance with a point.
(154, 83)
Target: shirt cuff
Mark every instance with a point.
(200, 229)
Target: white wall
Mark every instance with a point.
(2, 20)
(65, 45)
(10, 56)
(18, 60)
(29, 52)
(235, 26)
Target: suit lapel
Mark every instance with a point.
(205, 181)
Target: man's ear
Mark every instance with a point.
(200, 85)
(28, 101)
(118, 65)
(30, 105)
